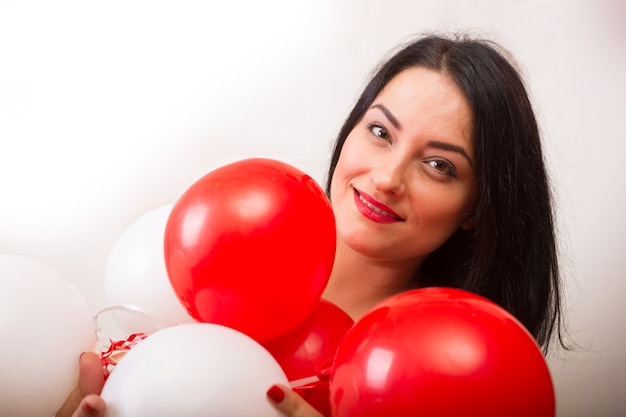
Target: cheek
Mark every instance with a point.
(469, 201)
(333, 188)
(346, 168)
(443, 209)
(353, 158)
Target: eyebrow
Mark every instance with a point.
(388, 114)
(433, 143)
(449, 147)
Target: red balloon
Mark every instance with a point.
(440, 352)
(250, 246)
(300, 351)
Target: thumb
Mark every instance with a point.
(290, 403)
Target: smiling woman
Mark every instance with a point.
(444, 135)
(437, 179)
(406, 162)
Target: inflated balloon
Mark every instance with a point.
(135, 275)
(306, 352)
(250, 246)
(443, 352)
(193, 370)
(315, 340)
(45, 324)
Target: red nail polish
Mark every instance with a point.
(87, 408)
(276, 394)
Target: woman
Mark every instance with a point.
(437, 179)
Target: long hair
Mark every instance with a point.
(511, 255)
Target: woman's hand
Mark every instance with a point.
(81, 402)
(84, 401)
(285, 400)
(289, 403)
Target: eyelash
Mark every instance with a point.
(372, 126)
(450, 170)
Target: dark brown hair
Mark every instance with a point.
(511, 255)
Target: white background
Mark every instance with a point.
(110, 109)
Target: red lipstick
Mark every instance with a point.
(374, 210)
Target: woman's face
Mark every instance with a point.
(405, 179)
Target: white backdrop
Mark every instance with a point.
(110, 109)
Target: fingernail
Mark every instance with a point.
(88, 409)
(276, 394)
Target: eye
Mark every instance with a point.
(442, 167)
(379, 131)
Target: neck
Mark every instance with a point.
(357, 282)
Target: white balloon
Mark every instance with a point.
(194, 370)
(136, 275)
(45, 325)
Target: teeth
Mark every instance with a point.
(374, 208)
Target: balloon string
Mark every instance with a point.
(114, 350)
(117, 349)
(317, 392)
(124, 307)
(322, 373)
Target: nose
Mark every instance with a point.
(388, 177)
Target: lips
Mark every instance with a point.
(374, 210)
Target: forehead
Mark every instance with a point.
(418, 83)
(425, 99)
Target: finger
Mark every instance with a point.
(91, 406)
(289, 403)
(91, 374)
(90, 381)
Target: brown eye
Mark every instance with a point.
(379, 131)
(442, 167)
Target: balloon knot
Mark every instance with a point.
(317, 393)
(323, 368)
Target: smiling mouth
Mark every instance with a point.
(377, 210)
